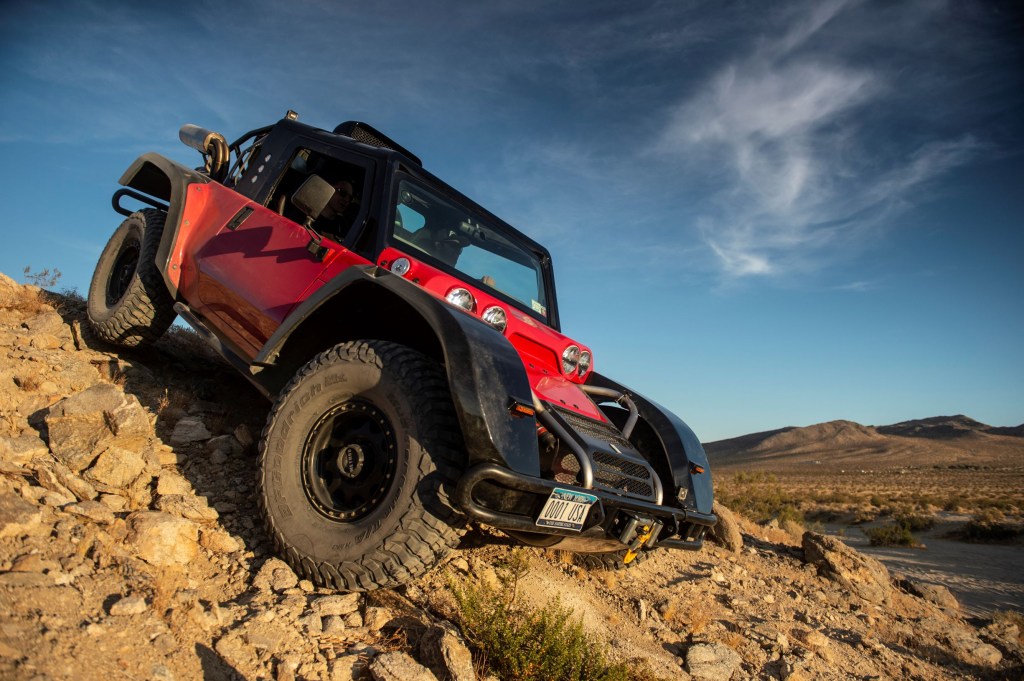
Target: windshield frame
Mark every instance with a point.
(517, 238)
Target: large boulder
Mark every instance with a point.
(18, 517)
(56, 477)
(47, 322)
(336, 604)
(116, 468)
(21, 449)
(83, 425)
(189, 430)
(275, 575)
(91, 510)
(712, 661)
(10, 292)
(933, 593)
(172, 482)
(727, 531)
(187, 506)
(445, 653)
(399, 666)
(93, 400)
(956, 638)
(162, 539)
(859, 574)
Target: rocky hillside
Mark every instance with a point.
(130, 547)
(937, 441)
(947, 427)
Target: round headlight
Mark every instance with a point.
(400, 266)
(584, 364)
(570, 359)
(495, 316)
(460, 297)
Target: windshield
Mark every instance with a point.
(464, 241)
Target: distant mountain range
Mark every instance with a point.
(936, 441)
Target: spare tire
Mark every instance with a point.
(128, 303)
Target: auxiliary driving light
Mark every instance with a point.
(570, 359)
(460, 297)
(495, 316)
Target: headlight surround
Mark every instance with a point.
(570, 359)
(586, 359)
(460, 297)
(496, 317)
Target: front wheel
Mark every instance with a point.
(128, 301)
(357, 460)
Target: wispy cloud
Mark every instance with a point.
(859, 286)
(790, 124)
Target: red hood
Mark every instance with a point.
(539, 346)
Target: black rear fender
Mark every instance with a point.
(484, 371)
(168, 181)
(682, 454)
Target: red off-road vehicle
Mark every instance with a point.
(410, 342)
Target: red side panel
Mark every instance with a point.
(247, 279)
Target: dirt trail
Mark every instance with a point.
(984, 577)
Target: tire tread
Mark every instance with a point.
(146, 310)
(425, 534)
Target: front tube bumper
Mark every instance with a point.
(607, 505)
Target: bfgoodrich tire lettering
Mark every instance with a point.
(128, 301)
(363, 504)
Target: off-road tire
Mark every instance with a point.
(129, 304)
(610, 560)
(401, 401)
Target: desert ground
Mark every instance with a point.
(131, 547)
(850, 479)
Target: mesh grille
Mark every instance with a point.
(360, 134)
(595, 429)
(611, 473)
(622, 475)
(633, 470)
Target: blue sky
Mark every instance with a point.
(761, 214)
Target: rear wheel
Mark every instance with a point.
(357, 461)
(128, 301)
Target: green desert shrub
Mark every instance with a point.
(757, 495)
(900, 532)
(890, 534)
(989, 526)
(518, 641)
(916, 522)
(878, 501)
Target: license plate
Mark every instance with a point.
(566, 509)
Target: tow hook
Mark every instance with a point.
(637, 533)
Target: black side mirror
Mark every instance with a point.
(312, 197)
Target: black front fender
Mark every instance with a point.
(683, 450)
(484, 371)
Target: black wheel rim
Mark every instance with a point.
(348, 461)
(122, 272)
